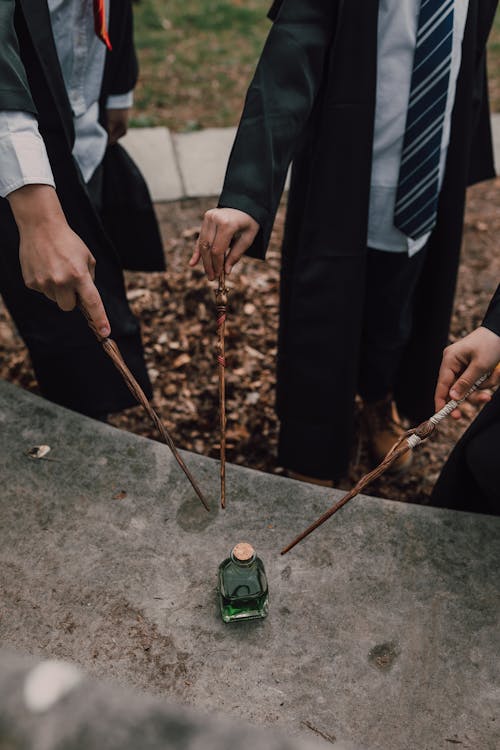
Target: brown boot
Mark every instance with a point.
(383, 428)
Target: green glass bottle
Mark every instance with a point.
(243, 591)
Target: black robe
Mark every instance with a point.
(69, 364)
(312, 101)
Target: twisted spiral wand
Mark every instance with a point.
(406, 442)
(221, 295)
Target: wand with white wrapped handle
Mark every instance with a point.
(406, 442)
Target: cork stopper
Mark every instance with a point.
(243, 552)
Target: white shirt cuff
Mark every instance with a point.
(120, 101)
(23, 155)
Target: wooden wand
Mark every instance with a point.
(221, 295)
(406, 442)
(113, 352)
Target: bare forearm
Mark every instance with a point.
(35, 206)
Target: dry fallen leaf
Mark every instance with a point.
(134, 294)
(252, 398)
(191, 233)
(120, 495)
(254, 352)
(7, 335)
(181, 360)
(38, 451)
(153, 374)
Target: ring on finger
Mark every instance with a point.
(206, 245)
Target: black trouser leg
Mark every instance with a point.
(320, 324)
(391, 280)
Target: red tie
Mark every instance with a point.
(100, 22)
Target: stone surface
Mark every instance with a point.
(495, 123)
(383, 628)
(203, 157)
(92, 716)
(152, 150)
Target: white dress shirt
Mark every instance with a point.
(82, 54)
(397, 34)
(23, 157)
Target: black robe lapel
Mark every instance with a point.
(39, 28)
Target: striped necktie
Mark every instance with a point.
(418, 185)
(100, 22)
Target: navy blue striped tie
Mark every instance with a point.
(418, 185)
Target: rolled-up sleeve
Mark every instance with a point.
(23, 157)
(120, 101)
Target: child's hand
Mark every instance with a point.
(463, 363)
(223, 230)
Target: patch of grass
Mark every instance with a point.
(220, 16)
(197, 58)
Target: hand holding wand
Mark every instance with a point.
(221, 294)
(113, 352)
(406, 442)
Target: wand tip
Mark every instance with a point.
(201, 497)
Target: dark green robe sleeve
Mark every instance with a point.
(14, 90)
(492, 317)
(277, 107)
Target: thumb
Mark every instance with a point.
(195, 256)
(466, 381)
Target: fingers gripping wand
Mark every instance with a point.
(406, 442)
(114, 354)
(221, 295)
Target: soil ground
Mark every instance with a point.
(177, 313)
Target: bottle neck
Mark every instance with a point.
(243, 563)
